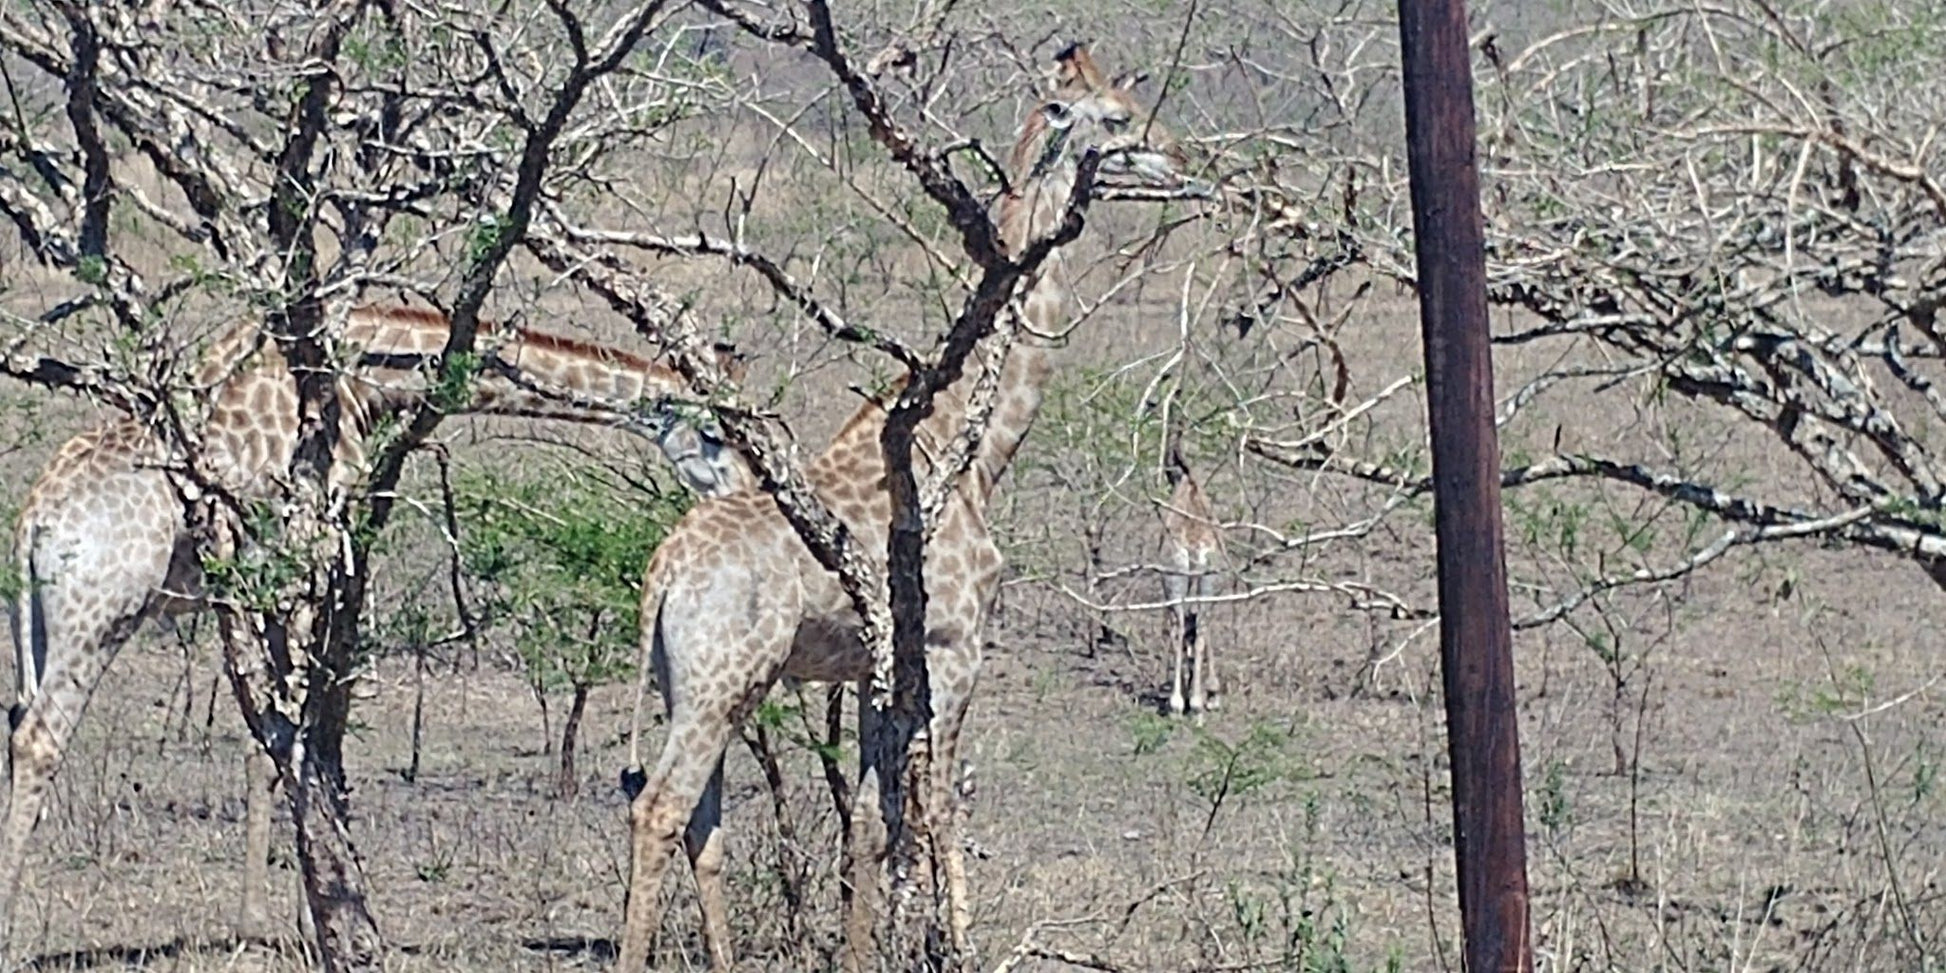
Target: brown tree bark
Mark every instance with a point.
(271, 684)
(1476, 638)
(567, 782)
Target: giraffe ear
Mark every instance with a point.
(1130, 80)
(1058, 114)
(1071, 67)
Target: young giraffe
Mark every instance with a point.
(101, 540)
(1194, 543)
(733, 600)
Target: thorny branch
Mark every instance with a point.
(1690, 239)
(305, 135)
(626, 290)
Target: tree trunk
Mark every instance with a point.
(309, 759)
(894, 758)
(547, 721)
(260, 777)
(834, 737)
(292, 676)
(334, 881)
(910, 933)
(568, 784)
(418, 709)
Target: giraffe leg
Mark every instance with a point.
(90, 560)
(1208, 686)
(703, 841)
(952, 692)
(682, 798)
(43, 726)
(658, 817)
(1175, 589)
(1178, 688)
(260, 783)
(1192, 646)
(864, 850)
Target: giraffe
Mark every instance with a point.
(732, 600)
(102, 544)
(1193, 541)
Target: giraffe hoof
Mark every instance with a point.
(633, 780)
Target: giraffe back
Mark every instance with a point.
(1191, 531)
(244, 402)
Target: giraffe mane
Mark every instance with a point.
(870, 410)
(580, 348)
(1020, 161)
(410, 315)
(543, 340)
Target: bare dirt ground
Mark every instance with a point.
(1759, 792)
(1754, 822)
(1737, 771)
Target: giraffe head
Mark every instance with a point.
(1085, 110)
(691, 438)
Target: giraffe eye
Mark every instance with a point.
(1115, 125)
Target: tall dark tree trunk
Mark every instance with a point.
(568, 784)
(293, 678)
(895, 759)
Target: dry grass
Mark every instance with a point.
(1749, 783)
(1758, 838)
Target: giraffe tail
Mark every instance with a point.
(634, 777)
(29, 626)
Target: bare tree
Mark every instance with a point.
(1009, 289)
(197, 162)
(1727, 207)
(417, 150)
(1713, 236)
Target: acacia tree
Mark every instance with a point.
(1713, 249)
(979, 289)
(416, 149)
(556, 563)
(181, 164)
(1722, 215)
(1728, 215)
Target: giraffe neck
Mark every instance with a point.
(1017, 400)
(521, 372)
(854, 456)
(389, 353)
(1028, 214)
